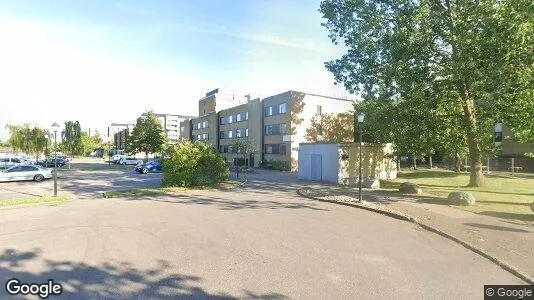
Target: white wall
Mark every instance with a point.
(330, 161)
(328, 105)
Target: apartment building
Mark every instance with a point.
(115, 128)
(121, 139)
(273, 127)
(286, 117)
(241, 122)
(171, 125)
(507, 145)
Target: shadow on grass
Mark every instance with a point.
(465, 188)
(110, 280)
(494, 227)
(509, 216)
(427, 174)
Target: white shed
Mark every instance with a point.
(339, 162)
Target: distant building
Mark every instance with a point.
(508, 146)
(115, 128)
(171, 125)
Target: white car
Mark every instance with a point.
(116, 158)
(129, 161)
(9, 161)
(26, 172)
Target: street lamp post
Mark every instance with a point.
(361, 116)
(109, 155)
(55, 127)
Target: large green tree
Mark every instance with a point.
(91, 143)
(148, 135)
(72, 138)
(466, 60)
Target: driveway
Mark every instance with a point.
(259, 242)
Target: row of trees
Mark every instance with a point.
(36, 141)
(438, 73)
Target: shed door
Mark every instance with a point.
(316, 167)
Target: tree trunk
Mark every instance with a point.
(476, 178)
(414, 162)
(430, 161)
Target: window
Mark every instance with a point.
(15, 160)
(498, 136)
(223, 149)
(282, 108)
(275, 129)
(269, 111)
(15, 169)
(230, 119)
(275, 149)
(199, 137)
(205, 136)
(222, 121)
(246, 115)
(205, 124)
(29, 168)
(181, 129)
(222, 135)
(230, 134)
(246, 131)
(238, 133)
(238, 118)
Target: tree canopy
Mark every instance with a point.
(31, 140)
(460, 65)
(72, 138)
(148, 135)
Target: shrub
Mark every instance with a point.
(194, 164)
(278, 165)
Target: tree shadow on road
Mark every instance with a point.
(226, 203)
(110, 280)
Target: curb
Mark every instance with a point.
(400, 216)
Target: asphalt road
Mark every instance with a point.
(81, 184)
(261, 242)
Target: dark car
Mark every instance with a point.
(149, 167)
(49, 162)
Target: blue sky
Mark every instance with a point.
(107, 61)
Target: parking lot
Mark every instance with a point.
(87, 178)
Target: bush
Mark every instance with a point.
(194, 164)
(277, 165)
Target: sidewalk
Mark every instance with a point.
(511, 242)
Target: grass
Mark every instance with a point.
(504, 195)
(33, 201)
(223, 186)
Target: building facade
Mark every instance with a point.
(115, 128)
(242, 123)
(171, 125)
(272, 128)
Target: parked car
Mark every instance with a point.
(128, 160)
(117, 157)
(9, 161)
(26, 172)
(49, 162)
(149, 167)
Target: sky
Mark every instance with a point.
(104, 61)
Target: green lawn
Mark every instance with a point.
(33, 201)
(224, 186)
(504, 195)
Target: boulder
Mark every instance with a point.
(373, 184)
(461, 198)
(410, 188)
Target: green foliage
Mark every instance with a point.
(331, 128)
(194, 164)
(72, 138)
(439, 68)
(148, 135)
(91, 143)
(27, 139)
(277, 165)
